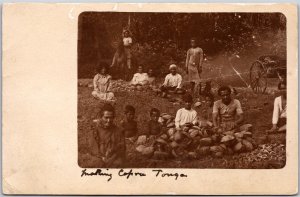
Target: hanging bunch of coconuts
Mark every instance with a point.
(193, 142)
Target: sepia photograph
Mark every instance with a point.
(150, 99)
(182, 90)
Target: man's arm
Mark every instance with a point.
(95, 82)
(240, 114)
(166, 81)
(215, 115)
(177, 118)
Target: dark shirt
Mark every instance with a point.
(154, 128)
(108, 144)
(129, 128)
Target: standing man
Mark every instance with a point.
(227, 112)
(193, 64)
(107, 143)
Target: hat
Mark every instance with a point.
(172, 66)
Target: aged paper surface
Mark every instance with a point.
(40, 109)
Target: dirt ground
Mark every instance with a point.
(257, 111)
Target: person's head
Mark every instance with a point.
(107, 115)
(150, 72)
(225, 93)
(140, 69)
(173, 69)
(282, 87)
(154, 114)
(129, 112)
(209, 100)
(126, 33)
(102, 69)
(188, 101)
(193, 42)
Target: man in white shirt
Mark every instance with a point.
(186, 116)
(279, 111)
(172, 82)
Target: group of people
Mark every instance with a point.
(108, 142)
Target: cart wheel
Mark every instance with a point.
(258, 79)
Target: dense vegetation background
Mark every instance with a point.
(161, 38)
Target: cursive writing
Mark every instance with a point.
(98, 172)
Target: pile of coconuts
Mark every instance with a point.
(193, 142)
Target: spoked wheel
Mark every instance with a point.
(258, 78)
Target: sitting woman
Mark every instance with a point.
(279, 111)
(140, 78)
(102, 85)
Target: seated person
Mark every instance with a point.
(107, 142)
(154, 127)
(151, 78)
(227, 112)
(206, 111)
(172, 82)
(102, 84)
(139, 78)
(186, 116)
(279, 111)
(129, 125)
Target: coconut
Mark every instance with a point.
(140, 148)
(205, 141)
(161, 141)
(239, 135)
(227, 138)
(171, 131)
(238, 147)
(248, 145)
(196, 127)
(169, 121)
(246, 127)
(229, 151)
(215, 149)
(210, 124)
(229, 133)
(141, 139)
(166, 116)
(204, 150)
(185, 129)
(170, 125)
(177, 136)
(252, 141)
(193, 132)
(246, 133)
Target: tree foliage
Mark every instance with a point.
(160, 38)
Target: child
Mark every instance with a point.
(139, 78)
(127, 42)
(154, 127)
(102, 85)
(206, 115)
(186, 116)
(129, 125)
(172, 81)
(193, 63)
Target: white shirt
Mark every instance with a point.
(279, 111)
(173, 80)
(127, 41)
(139, 78)
(184, 116)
